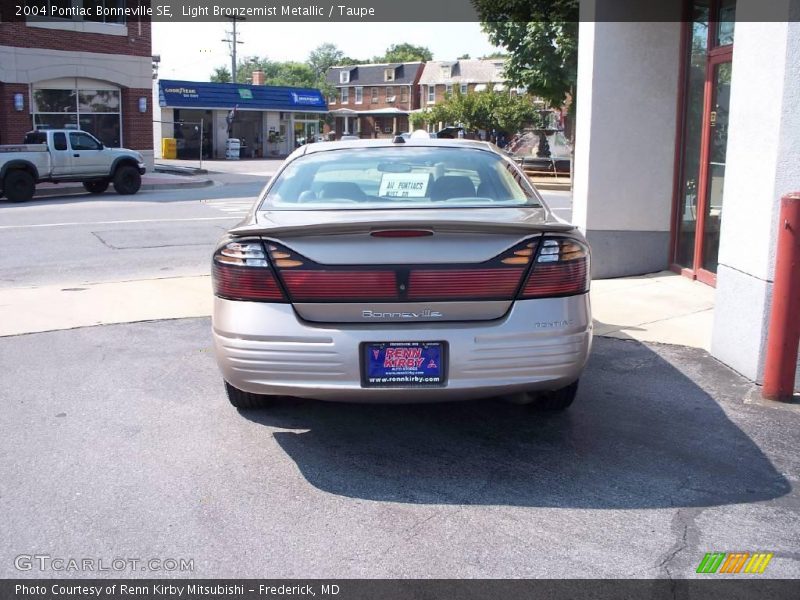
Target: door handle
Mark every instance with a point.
(76, 155)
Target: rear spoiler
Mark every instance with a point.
(365, 226)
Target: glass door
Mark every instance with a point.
(311, 132)
(707, 82)
(708, 249)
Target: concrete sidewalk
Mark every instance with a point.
(150, 181)
(662, 307)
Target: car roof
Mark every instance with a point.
(389, 143)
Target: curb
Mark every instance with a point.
(182, 171)
(146, 187)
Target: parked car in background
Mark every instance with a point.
(401, 270)
(62, 155)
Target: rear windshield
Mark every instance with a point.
(398, 177)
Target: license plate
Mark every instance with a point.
(403, 364)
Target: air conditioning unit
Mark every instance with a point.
(391, 98)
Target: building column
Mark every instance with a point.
(763, 163)
(627, 100)
(137, 127)
(14, 124)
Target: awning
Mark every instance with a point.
(197, 94)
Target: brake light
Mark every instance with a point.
(401, 233)
(497, 279)
(312, 284)
(240, 271)
(448, 284)
(561, 269)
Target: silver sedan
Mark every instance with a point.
(400, 271)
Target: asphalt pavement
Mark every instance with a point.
(119, 441)
(78, 239)
(83, 238)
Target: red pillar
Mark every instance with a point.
(783, 336)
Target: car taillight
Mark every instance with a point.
(312, 284)
(308, 281)
(451, 284)
(561, 269)
(240, 271)
(497, 279)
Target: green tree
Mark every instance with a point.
(397, 53)
(418, 120)
(541, 37)
(347, 61)
(487, 110)
(323, 57)
(221, 75)
(496, 54)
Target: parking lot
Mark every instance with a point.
(119, 442)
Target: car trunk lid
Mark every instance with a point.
(402, 267)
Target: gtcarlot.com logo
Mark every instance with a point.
(46, 562)
(734, 562)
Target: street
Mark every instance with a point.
(82, 238)
(119, 441)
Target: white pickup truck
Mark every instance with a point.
(61, 155)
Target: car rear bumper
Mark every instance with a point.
(266, 348)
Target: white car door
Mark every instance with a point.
(60, 155)
(87, 155)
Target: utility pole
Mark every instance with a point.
(232, 42)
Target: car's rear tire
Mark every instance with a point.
(127, 180)
(242, 399)
(18, 186)
(554, 401)
(96, 187)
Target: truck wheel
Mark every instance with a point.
(18, 186)
(127, 180)
(554, 401)
(96, 187)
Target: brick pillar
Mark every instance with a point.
(14, 124)
(137, 127)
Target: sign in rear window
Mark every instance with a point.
(404, 185)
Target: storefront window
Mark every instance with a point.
(55, 121)
(99, 101)
(104, 127)
(93, 110)
(54, 101)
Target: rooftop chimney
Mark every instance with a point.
(258, 77)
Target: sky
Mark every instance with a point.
(190, 51)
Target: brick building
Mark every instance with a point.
(373, 100)
(92, 74)
(440, 78)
